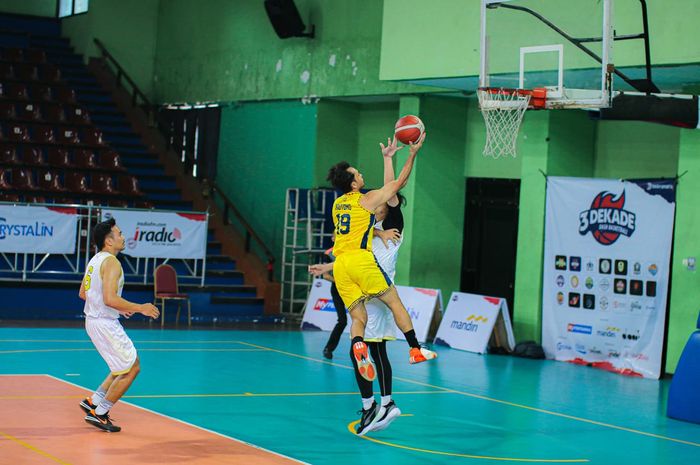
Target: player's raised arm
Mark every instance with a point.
(375, 198)
(388, 155)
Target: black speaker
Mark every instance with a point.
(285, 19)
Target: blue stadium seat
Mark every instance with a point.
(684, 394)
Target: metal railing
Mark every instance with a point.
(36, 266)
(250, 234)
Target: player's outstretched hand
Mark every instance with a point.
(388, 235)
(319, 269)
(149, 310)
(415, 146)
(391, 148)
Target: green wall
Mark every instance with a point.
(264, 149)
(127, 28)
(224, 50)
(376, 124)
(29, 7)
(337, 137)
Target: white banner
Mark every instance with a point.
(420, 303)
(37, 229)
(606, 258)
(469, 322)
(162, 234)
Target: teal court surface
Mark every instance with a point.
(272, 389)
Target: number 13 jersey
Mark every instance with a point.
(353, 224)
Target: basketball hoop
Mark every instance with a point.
(503, 111)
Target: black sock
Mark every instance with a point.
(411, 338)
(359, 339)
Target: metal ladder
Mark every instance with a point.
(308, 229)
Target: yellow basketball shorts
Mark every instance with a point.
(359, 277)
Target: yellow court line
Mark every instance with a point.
(243, 394)
(351, 428)
(33, 449)
(91, 349)
(491, 399)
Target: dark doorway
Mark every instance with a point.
(490, 237)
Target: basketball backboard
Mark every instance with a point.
(562, 45)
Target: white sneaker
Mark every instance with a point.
(387, 414)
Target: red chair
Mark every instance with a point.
(54, 113)
(22, 179)
(128, 185)
(7, 71)
(13, 54)
(33, 55)
(102, 184)
(8, 155)
(26, 72)
(4, 185)
(29, 111)
(144, 204)
(68, 136)
(43, 134)
(77, 183)
(92, 136)
(85, 158)
(49, 73)
(78, 115)
(49, 181)
(33, 156)
(9, 197)
(166, 288)
(34, 199)
(58, 158)
(111, 160)
(18, 132)
(65, 94)
(7, 110)
(118, 203)
(42, 92)
(16, 91)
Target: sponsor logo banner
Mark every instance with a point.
(28, 229)
(162, 234)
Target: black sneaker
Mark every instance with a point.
(369, 418)
(386, 415)
(102, 421)
(327, 353)
(87, 405)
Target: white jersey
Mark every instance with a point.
(92, 282)
(386, 257)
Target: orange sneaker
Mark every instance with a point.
(364, 365)
(420, 354)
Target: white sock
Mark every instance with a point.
(386, 400)
(104, 407)
(367, 403)
(98, 396)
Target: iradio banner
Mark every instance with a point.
(420, 303)
(470, 320)
(606, 269)
(161, 234)
(38, 229)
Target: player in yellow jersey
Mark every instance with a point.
(358, 276)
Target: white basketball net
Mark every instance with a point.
(503, 111)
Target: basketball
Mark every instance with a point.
(408, 129)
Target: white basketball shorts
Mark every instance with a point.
(112, 343)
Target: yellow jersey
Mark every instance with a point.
(353, 224)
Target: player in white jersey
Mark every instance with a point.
(101, 290)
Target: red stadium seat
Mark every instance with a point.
(49, 73)
(13, 54)
(33, 156)
(4, 184)
(65, 94)
(8, 155)
(29, 111)
(85, 158)
(35, 199)
(16, 91)
(102, 184)
(33, 55)
(92, 136)
(111, 160)
(26, 72)
(43, 134)
(166, 288)
(67, 136)
(42, 92)
(18, 132)
(128, 185)
(22, 179)
(49, 181)
(54, 113)
(58, 158)
(8, 197)
(7, 71)
(78, 115)
(7, 110)
(77, 182)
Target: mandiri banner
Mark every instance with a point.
(420, 303)
(28, 229)
(606, 269)
(162, 234)
(471, 320)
